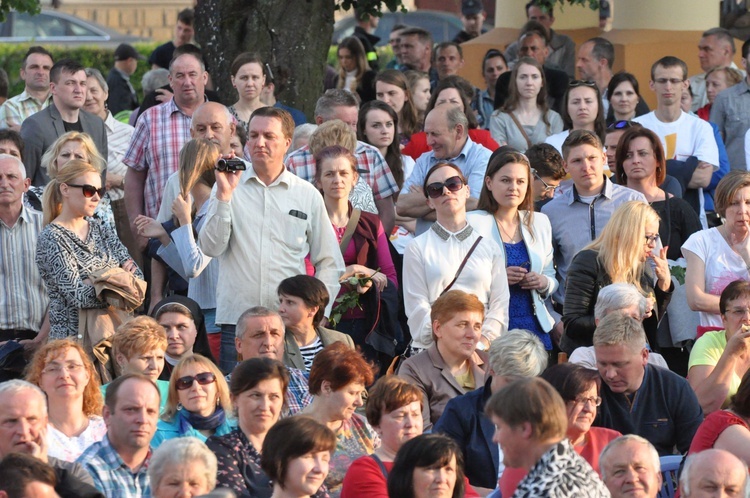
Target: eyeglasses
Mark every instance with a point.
(547, 187)
(435, 190)
(739, 311)
(577, 83)
(584, 401)
(89, 190)
(664, 81)
(623, 124)
(203, 379)
(56, 368)
(651, 239)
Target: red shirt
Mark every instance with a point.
(418, 143)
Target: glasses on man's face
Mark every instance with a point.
(651, 239)
(203, 379)
(594, 402)
(577, 83)
(56, 368)
(547, 187)
(435, 190)
(89, 190)
(743, 312)
(664, 81)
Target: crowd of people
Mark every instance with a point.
(538, 288)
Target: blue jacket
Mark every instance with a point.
(168, 430)
(464, 421)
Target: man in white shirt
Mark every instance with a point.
(682, 134)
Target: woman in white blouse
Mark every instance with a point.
(506, 215)
(432, 261)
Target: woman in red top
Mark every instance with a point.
(452, 90)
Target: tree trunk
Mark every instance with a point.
(292, 36)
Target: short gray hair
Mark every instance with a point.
(517, 353)
(722, 34)
(335, 97)
(154, 79)
(20, 164)
(616, 297)
(179, 451)
(695, 460)
(255, 311)
(616, 443)
(455, 116)
(618, 329)
(227, 115)
(303, 131)
(97, 75)
(17, 386)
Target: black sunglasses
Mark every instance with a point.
(435, 190)
(89, 190)
(623, 124)
(203, 379)
(577, 83)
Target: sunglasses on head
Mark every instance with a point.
(435, 190)
(203, 379)
(89, 190)
(623, 124)
(577, 83)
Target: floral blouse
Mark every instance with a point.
(69, 449)
(65, 261)
(355, 439)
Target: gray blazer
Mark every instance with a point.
(292, 354)
(40, 130)
(431, 375)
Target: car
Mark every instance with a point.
(51, 27)
(443, 25)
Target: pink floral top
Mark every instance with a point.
(69, 449)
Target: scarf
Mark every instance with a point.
(189, 420)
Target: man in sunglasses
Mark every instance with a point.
(447, 134)
(119, 462)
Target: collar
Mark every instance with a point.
(285, 178)
(464, 152)
(113, 459)
(109, 122)
(124, 75)
(444, 234)
(172, 107)
(605, 192)
(25, 96)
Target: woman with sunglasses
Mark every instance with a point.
(455, 91)
(452, 255)
(72, 246)
(582, 110)
(198, 403)
(63, 370)
(525, 119)
(625, 100)
(641, 166)
(505, 214)
(626, 251)
(257, 389)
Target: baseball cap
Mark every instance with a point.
(125, 51)
(471, 7)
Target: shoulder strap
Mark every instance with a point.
(523, 132)
(350, 227)
(381, 465)
(461, 266)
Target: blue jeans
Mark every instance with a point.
(228, 358)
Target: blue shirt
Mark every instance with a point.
(110, 474)
(485, 106)
(472, 160)
(576, 223)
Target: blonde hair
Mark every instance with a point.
(49, 159)
(139, 335)
(333, 132)
(173, 399)
(92, 396)
(620, 245)
(52, 197)
(197, 157)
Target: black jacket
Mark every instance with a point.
(368, 41)
(122, 97)
(557, 85)
(586, 276)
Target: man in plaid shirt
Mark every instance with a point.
(35, 69)
(373, 170)
(159, 135)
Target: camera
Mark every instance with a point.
(230, 165)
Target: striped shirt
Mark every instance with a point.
(23, 297)
(155, 147)
(118, 139)
(310, 351)
(16, 109)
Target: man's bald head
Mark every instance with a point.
(214, 122)
(711, 470)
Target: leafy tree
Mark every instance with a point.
(30, 6)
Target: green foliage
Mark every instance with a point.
(30, 6)
(372, 7)
(11, 56)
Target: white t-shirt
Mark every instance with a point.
(557, 140)
(723, 266)
(685, 137)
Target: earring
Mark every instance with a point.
(179, 406)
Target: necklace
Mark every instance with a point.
(511, 238)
